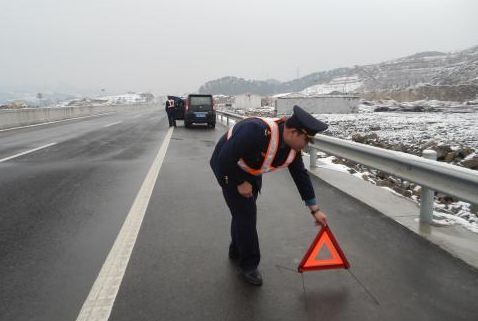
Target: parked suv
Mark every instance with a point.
(199, 109)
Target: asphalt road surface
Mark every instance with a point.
(62, 206)
(179, 269)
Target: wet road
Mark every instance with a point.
(179, 269)
(63, 205)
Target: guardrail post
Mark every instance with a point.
(426, 200)
(313, 157)
(227, 121)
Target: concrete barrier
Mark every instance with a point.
(32, 116)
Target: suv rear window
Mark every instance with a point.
(197, 100)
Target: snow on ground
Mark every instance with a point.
(463, 216)
(416, 129)
(456, 129)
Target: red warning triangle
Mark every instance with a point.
(314, 258)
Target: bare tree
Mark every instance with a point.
(39, 97)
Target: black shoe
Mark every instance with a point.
(253, 277)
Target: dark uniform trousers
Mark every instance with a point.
(245, 242)
(172, 116)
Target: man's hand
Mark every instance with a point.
(320, 218)
(245, 189)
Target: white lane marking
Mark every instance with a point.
(139, 115)
(112, 124)
(100, 300)
(56, 121)
(26, 152)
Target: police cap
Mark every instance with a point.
(304, 121)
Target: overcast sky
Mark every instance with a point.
(174, 46)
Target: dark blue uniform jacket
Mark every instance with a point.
(249, 141)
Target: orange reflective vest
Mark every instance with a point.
(271, 150)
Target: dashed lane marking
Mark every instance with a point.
(26, 152)
(112, 124)
(99, 303)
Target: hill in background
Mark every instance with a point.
(426, 75)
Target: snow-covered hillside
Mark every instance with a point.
(425, 75)
(336, 85)
(429, 74)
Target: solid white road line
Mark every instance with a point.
(112, 124)
(56, 121)
(99, 302)
(26, 152)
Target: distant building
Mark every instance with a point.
(222, 101)
(324, 104)
(247, 101)
(19, 104)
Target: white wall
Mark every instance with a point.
(247, 101)
(319, 105)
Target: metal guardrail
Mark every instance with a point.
(452, 180)
(224, 114)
